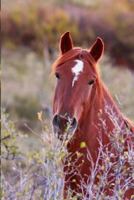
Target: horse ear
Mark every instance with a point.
(66, 43)
(97, 49)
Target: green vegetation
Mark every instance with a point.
(39, 25)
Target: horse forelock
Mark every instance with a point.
(73, 53)
(65, 57)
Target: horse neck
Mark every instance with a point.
(106, 111)
(110, 108)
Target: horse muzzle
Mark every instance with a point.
(64, 125)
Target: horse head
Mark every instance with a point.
(77, 83)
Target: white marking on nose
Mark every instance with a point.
(76, 70)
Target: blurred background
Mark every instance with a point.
(30, 35)
(30, 38)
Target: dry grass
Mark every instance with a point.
(31, 155)
(38, 174)
(32, 174)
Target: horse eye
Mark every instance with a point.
(57, 75)
(90, 82)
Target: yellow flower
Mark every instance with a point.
(82, 144)
(39, 115)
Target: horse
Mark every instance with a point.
(83, 103)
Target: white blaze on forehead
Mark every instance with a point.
(76, 70)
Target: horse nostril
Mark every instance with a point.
(74, 123)
(62, 124)
(56, 120)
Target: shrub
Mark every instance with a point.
(39, 174)
(34, 174)
(39, 25)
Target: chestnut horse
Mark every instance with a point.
(83, 103)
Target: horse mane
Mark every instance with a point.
(82, 54)
(62, 58)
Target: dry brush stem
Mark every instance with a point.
(42, 177)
